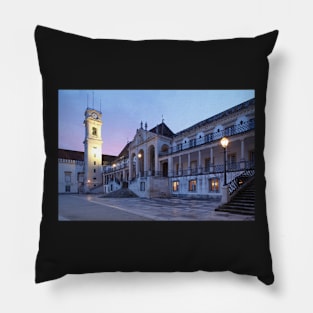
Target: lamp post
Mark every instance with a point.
(224, 143)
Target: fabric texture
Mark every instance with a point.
(69, 61)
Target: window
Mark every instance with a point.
(232, 161)
(208, 138)
(193, 167)
(207, 163)
(192, 143)
(142, 186)
(94, 163)
(94, 170)
(94, 178)
(177, 169)
(192, 185)
(68, 176)
(67, 188)
(175, 185)
(80, 177)
(94, 131)
(214, 185)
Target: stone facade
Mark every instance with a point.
(93, 149)
(188, 164)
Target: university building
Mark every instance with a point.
(158, 162)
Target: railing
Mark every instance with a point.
(115, 180)
(240, 180)
(209, 138)
(215, 169)
(107, 170)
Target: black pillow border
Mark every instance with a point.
(69, 61)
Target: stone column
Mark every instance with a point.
(188, 165)
(179, 166)
(137, 165)
(145, 162)
(199, 162)
(225, 194)
(170, 166)
(242, 155)
(156, 159)
(130, 167)
(211, 160)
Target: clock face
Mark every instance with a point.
(94, 115)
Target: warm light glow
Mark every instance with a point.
(139, 155)
(224, 142)
(114, 165)
(88, 180)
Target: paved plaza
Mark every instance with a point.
(95, 208)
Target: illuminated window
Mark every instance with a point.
(192, 185)
(175, 185)
(94, 131)
(214, 185)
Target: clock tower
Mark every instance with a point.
(93, 149)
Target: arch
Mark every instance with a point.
(218, 132)
(132, 166)
(151, 160)
(141, 161)
(242, 124)
(185, 143)
(200, 138)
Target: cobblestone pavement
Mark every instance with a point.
(93, 207)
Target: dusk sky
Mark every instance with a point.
(123, 110)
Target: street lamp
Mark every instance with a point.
(224, 143)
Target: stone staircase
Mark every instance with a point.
(120, 193)
(97, 189)
(243, 202)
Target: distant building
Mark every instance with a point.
(158, 162)
(81, 172)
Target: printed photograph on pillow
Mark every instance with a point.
(156, 155)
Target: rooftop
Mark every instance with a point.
(79, 155)
(218, 116)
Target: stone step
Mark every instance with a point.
(236, 211)
(121, 193)
(243, 201)
(239, 205)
